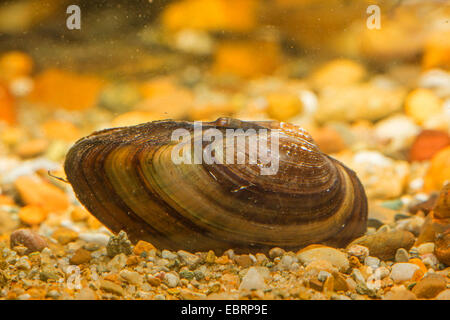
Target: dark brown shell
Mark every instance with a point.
(125, 177)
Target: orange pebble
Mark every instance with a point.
(418, 274)
(7, 106)
(427, 144)
(219, 15)
(61, 89)
(6, 200)
(15, 64)
(439, 171)
(142, 246)
(36, 191)
(437, 51)
(79, 214)
(61, 130)
(247, 59)
(32, 214)
(419, 263)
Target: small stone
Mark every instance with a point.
(37, 192)
(427, 144)
(189, 259)
(442, 250)
(318, 252)
(276, 252)
(358, 251)
(191, 295)
(109, 286)
(117, 263)
(439, 170)
(425, 248)
(252, 280)
(210, 257)
(384, 245)
(81, 256)
(131, 276)
(95, 237)
(65, 235)
(430, 286)
(399, 293)
(85, 294)
(401, 255)
(154, 281)
(166, 254)
(316, 284)
(118, 244)
(186, 274)
(28, 238)
(340, 284)
(418, 98)
(403, 271)
(32, 215)
(243, 260)
(323, 275)
(372, 262)
(444, 295)
(171, 279)
(141, 247)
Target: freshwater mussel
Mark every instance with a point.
(128, 179)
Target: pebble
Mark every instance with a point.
(109, 286)
(141, 247)
(171, 279)
(425, 248)
(118, 244)
(358, 251)
(35, 191)
(444, 295)
(64, 235)
(399, 293)
(276, 252)
(191, 260)
(318, 252)
(439, 170)
(417, 99)
(430, 286)
(442, 249)
(243, 260)
(32, 215)
(253, 280)
(131, 277)
(401, 255)
(372, 262)
(28, 238)
(85, 294)
(403, 271)
(427, 144)
(323, 275)
(94, 237)
(384, 245)
(81, 256)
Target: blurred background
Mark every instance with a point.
(366, 94)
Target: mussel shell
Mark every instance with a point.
(126, 178)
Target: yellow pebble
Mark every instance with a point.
(282, 106)
(439, 171)
(32, 214)
(421, 104)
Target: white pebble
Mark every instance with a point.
(425, 248)
(253, 280)
(403, 271)
(94, 237)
